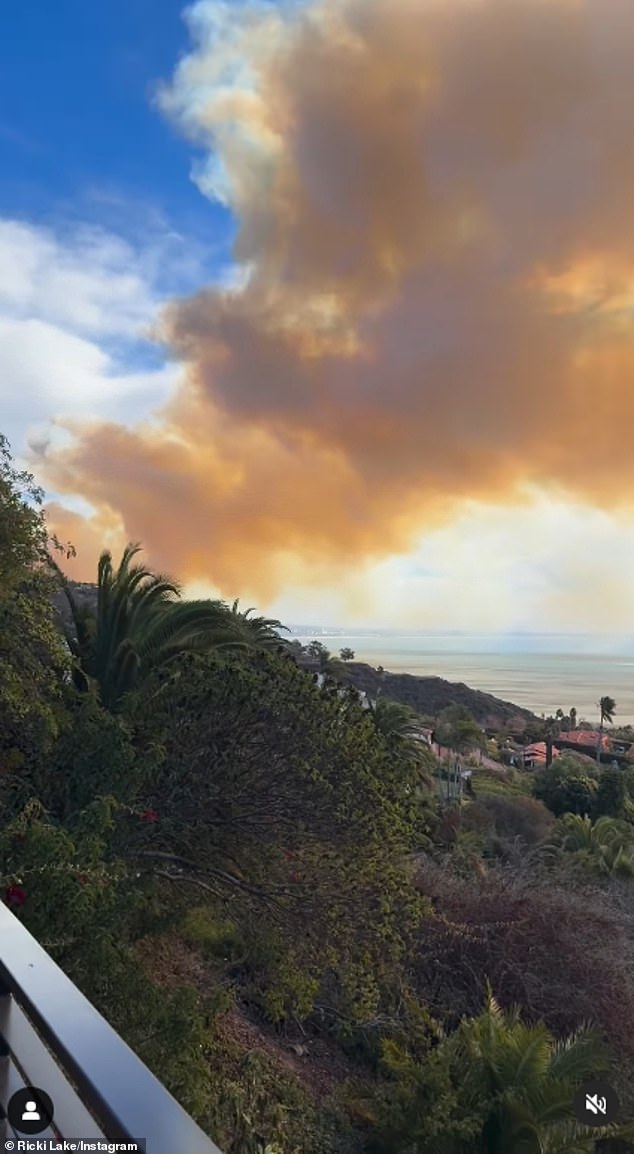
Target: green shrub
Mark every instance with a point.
(523, 818)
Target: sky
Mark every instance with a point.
(329, 304)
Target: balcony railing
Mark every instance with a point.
(53, 1039)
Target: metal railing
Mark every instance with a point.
(52, 1038)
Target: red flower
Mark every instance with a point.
(294, 876)
(14, 896)
(149, 815)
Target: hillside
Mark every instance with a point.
(429, 695)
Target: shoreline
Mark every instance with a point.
(535, 683)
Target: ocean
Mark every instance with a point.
(541, 673)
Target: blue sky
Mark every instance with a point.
(100, 221)
(80, 134)
(108, 212)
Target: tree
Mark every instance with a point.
(606, 845)
(33, 659)
(458, 731)
(24, 536)
(612, 793)
(256, 632)
(573, 718)
(394, 720)
(534, 731)
(569, 785)
(526, 1081)
(140, 624)
(496, 1085)
(563, 721)
(607, 709)
(346, 654)
(331, 667)
(283, 799)
(400, 726)
(318, 650)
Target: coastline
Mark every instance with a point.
(430, 695)
(534, 682)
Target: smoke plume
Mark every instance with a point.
(436, 224)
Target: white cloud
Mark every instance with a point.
(75, 308)
(209, 88)
(93, 283)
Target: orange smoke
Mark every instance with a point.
(435, 206)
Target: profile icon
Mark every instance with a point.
(30, 1110)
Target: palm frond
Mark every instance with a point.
(582, 1053)
(180, 625)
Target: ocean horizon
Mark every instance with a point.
(541, 672)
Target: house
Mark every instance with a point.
(584, 741)
(536, 755)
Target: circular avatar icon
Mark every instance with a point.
(30, 1111)
(596, 1103)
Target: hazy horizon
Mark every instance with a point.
(539, 672)
(552, 642)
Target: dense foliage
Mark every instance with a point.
(261, 880)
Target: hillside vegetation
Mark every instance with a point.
(430, 695)
(316, 938)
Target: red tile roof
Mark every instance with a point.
(538, 752)
(584, 737)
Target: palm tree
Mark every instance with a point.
(400, 726)
(393, 719)
(607, 844)
(528, 1081)
(139, 624)
(607, 709)
(257, 632)
(505, 1087)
